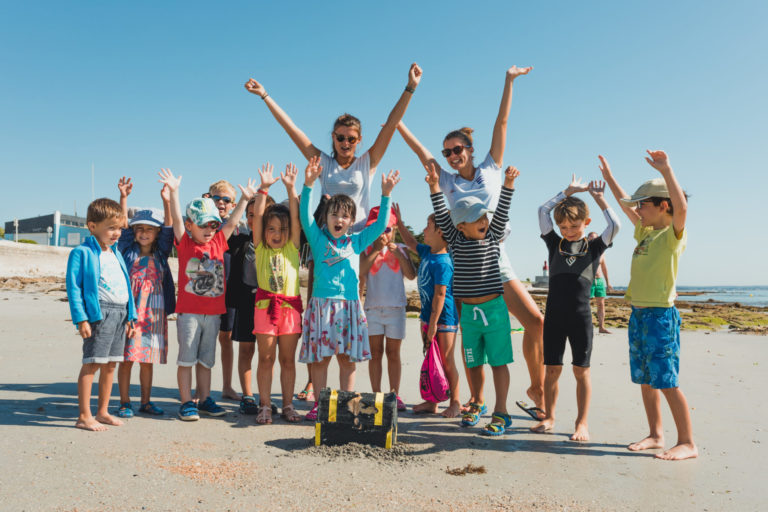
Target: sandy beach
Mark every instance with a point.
(230, 463)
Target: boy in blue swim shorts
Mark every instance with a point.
(658, 210)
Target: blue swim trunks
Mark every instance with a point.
(654, 346)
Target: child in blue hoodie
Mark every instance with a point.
(101, 303)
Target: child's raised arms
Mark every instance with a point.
(432, 178)
(389, 181)
(596, 190)
(246, 193)
(408, 238)
(312, 171)
(289, 180)
(660, 161)
(618, 192)
(173, 182)
(575, 186)
(510, 174)
(165, 195)
(265, 173)
(125, 187)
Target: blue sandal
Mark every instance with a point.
(150, 408)
(248, 405)
(499, 424)
(125, 410)
(472, 416)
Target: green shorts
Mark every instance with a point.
(485, 333)
(598, 288)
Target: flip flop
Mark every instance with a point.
(531, 411)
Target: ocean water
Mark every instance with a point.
(747, 295)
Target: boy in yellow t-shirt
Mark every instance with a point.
(657, 209)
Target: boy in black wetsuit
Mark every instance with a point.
(573, 261)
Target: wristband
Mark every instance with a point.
(410, 89)
(262, 191)
(264, 96)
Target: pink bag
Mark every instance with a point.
(433, 383)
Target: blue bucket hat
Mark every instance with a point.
(468, 209)
(202, 210)
(148, 216)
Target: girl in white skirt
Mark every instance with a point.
(334, 321)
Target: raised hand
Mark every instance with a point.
(165, 194)
(398, 217)
(596, 188)
(605, 169)
(414, 75)
(313, 170)
(289, 176)
(432, 178)
(515, 72)
(659, 160)
(169, 180)
(575, 186)
(389, 181)
(125, 186)
(255, 87)
(510, 174)
(250, 189)
(265, 173)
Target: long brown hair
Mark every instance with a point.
(349, 121)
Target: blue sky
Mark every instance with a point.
(132, 87)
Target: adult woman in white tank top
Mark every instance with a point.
(484, 181)
(343, 172)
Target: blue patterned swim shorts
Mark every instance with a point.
(654, 346)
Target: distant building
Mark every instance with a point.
(66, 230)
(542, 281)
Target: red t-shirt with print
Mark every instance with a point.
(202, 279)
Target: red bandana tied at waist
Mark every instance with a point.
(276, 301)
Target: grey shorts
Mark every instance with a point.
(386, 321)
(197, 339)
(107, 341)
(505, 267)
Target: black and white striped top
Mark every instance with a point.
(475, 262)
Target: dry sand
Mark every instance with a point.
(230, 463)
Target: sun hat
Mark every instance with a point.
(374, 214)
(202, 210)
(468, 209)
(656, 187)
(148, 216)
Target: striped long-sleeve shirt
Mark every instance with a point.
(475, 262)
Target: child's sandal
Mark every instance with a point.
(472, 416)
(499, 424)
(265, 416)
(290, 415)
(125, 410)
(150, 408)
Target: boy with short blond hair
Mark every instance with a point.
(202, 284)
(101, 303)
(658, 211)
(573, 263)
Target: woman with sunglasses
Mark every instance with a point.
(343, 172)
(484, 181)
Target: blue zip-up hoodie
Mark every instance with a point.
(131, 250)
(83, 271)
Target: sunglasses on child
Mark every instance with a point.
(341, 138)
(456, 150)
(583, 248)
(213, 224)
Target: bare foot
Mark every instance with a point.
(603, 330)
(581, 433)
(109, 420)
(538, 401)
(680, 452)
(543, 426)
(451, 411)
(90, 424)
(425, 408)
(230, 394)
(649, 443)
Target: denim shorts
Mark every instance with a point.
(654, 346)
(197, 339)
(107, 341)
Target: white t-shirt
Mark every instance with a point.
(354, 181)
(384, 284)
(486, 185)
(112, 284)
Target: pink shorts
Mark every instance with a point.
(288, 322)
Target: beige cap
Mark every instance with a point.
(656, 187)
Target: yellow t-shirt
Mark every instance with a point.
(277, 271)
(654, 266)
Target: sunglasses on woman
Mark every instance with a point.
(456, 150)
(341, 138)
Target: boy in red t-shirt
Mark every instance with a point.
(202, 283)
